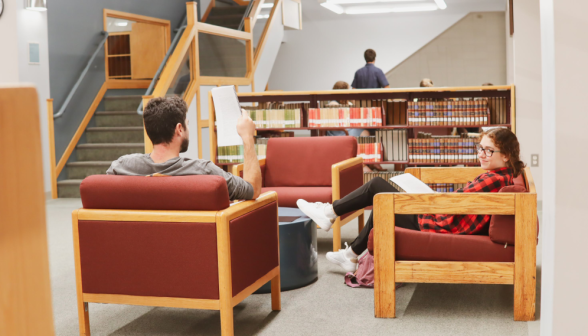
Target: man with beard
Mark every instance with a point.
(167, 127)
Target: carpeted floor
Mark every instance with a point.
(326, 307)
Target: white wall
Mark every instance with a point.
(470, 52)
(18, 27)
(526, 69)
(564, 52)
(330, 48)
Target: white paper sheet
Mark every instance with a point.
(227, 112)
(411, 184)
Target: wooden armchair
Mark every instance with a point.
(520, 272)
(316, 169)
(182, 245)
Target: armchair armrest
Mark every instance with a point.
(238, 169)
(445, 174)
(346, 176)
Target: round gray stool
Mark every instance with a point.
(298, 253)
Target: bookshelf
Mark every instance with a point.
(498, 102)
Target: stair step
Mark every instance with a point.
(83, 169)
(126, 134)
(122, 103)
(228, 10)
(118, 118)
(69, 188)
(107, 151)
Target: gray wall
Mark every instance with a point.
(74, 28)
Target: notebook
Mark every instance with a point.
(227, 112)
(411, 184)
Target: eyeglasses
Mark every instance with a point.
(487, 152)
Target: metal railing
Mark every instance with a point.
(82, 75)
(170, 51)
(246, 15)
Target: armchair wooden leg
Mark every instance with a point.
(525, 257)
(336, 234)
(84, 317)
(360, 223)
(276, 293)
(384, 258)
(226, 317)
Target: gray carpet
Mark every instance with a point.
(327, 307)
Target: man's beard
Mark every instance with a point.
(184, 147)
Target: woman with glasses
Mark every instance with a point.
(498, 152)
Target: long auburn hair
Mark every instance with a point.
(508, 144)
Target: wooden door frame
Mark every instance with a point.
(137, 18)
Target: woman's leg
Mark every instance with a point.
(404, 221)
(362, 197)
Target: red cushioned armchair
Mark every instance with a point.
(506, 256)
(173, 242)
(316, 169)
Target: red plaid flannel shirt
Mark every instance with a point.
(491, 181)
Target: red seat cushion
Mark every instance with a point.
(306, 161)
(428, 246)
(287, 196)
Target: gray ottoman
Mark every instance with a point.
(298, 252)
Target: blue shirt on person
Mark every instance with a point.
(369, 77)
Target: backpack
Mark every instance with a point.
(364, 276)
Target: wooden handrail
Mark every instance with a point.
(263, 38)
(222, 31)
(255, 10)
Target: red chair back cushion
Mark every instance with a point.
(305, 162)
(195, 192)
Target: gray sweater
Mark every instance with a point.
(143, 165)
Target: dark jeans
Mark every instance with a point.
(363, 197)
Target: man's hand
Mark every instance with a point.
(245, 126)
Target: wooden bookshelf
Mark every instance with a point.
(505, 92)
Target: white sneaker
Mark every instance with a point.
(343, 259)
(316, 212)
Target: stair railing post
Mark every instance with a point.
(52, 164)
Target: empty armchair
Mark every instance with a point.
(316, 169)
(172, 242)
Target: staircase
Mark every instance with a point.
(118, 131)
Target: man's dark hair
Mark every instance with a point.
(369, 55)
(161, 116)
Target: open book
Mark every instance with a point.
(411, 184)
(227, 113)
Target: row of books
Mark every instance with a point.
(385, 175)
(261, 142)
(276, 118)
(445, 187)
(394, 143)
(448, 113)
(345, 117)
(442, 149)
(230, 154)
(369, 149)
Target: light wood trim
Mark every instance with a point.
(211, 80)
(83, 313)
(513, 119)
(455, 272)
(146, 139)
(446, 174)
(367, 91)
(249, 51)
(237, 169)
(525, 256)
(51, 124)
(244, 207)
(225, 277)
(276, 287)
(25, 289)
(152, 301)
(119, 33)
(74, 141)
(147, 216)
(529, 181)
(242, 3)
(133, 17)
(208, 10)
(222, 31)
(384, 257)
(346, 164)
(336, 171)
(211, 128)
(255, 286)
(454, 203)
(352, 217)
(127, 84)
(263, 38)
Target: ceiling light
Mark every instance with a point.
(390, 9)
(334, 8)
(36, 5)
(263, 16)
(121, 23)
(267, 5)
(441, 4)
(349, 2)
